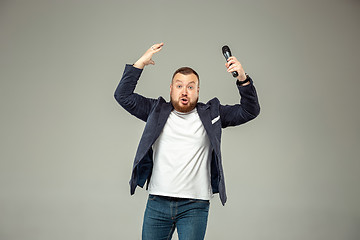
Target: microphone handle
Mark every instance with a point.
(227, 55)
(235, 73)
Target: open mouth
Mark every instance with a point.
(184, 101)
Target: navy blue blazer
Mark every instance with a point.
(155, 112)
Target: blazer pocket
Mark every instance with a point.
(215, 119)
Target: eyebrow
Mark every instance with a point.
(182, 81)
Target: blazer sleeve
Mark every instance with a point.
(248, 109)
(135, 104)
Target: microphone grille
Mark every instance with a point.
(225, 49)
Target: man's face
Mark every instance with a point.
(184, 92)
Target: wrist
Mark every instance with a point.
(244, 81)
(242, 77)
(139, 65)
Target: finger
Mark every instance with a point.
(234, 67)
(232, 58)
(158, 44)
(157, 47)
(230, 62)
(155, 50)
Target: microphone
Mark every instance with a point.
(227, 53)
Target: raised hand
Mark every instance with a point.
(234, 65)
(146, 59)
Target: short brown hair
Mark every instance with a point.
(186, 71)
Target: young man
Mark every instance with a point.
(179, 152)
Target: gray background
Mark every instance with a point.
(67, 147)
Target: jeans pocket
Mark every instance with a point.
(152, 197)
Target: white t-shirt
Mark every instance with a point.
(182, 156)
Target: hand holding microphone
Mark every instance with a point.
(233, 65)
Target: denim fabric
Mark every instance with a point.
(164, 214)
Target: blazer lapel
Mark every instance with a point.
(163, 116)
(204, 114)
(150, 134)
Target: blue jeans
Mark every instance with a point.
(163, 214)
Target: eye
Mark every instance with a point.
(191, 87)
(178, 86)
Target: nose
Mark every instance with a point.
(184, 91)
